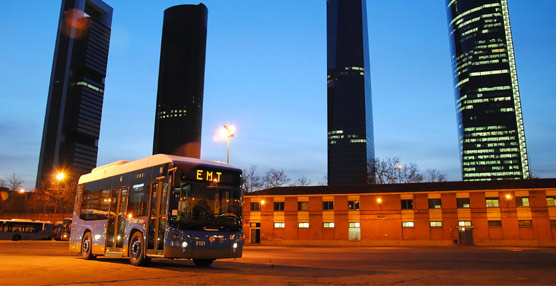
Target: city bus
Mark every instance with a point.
(160, 206)
(25, 229)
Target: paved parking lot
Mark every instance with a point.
(50, 263)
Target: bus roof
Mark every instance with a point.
(122, 166)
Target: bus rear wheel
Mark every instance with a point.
(16, 237)
(87, 247)
(136, 250)
(202, 262)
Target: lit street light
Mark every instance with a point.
(60, 176)
(227, 132)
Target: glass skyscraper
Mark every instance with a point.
(74, 106)
(350, 117)
(181, 81)
(489, 118)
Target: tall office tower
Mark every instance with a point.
(490, 123)
(350, 115)
(179, 105)
(74, 106)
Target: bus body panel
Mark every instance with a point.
(97, 229)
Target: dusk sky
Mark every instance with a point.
(266, 73)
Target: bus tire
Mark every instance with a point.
(137, 250)
(202, 262)
(87, 247)
(16, 237)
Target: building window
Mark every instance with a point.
(328, 225)
(464, 223)
(522, 201)
(279, 225)
(463, 202)
(492, 202)
(353, 205)
(407, 204)
(494, 223)
(302, 206)
(435, 224)
(303, 225)
(279, 206)
(408, 224)
(551, 201)
(327, 206)
(553, 223)
(255, 207)
(435, 203)
(354, 231)
(525, 223)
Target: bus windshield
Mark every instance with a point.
(206, 206)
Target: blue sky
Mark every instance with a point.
(266, 73)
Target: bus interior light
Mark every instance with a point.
(184, 244)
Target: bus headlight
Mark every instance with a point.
(234, 245)
(184, 244)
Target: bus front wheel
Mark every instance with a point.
(87, 247)
(202, 262)
(16, 237)
(136, 250)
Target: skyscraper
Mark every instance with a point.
(490, 123)
(179, 105)
(350, 116)
(74, 107)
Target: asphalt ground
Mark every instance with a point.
(50, 263)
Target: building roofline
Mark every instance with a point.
(412, 187)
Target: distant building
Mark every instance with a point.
(490, 122)
(350, 116)
(495, 213)
(74, 106)
(179, 105)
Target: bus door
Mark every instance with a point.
(157, 217)
(116, 219)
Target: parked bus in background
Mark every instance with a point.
(160, 206)
(62, 230)
(25, 229)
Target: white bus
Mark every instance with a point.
(25, 229)
(159, 206)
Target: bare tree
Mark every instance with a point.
(274, 178)
(301, 181)
(251, 181)
(393, 171)
(2, 183)
(55, 197)
(434, 176)
(15, 182)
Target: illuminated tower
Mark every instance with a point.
(490, 123)
(181, 80)
(74, 106)
(350, 116)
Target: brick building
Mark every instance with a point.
(495, 213)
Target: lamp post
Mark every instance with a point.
(228, 132)
(60, 176)
(22, 191)
(400, 173)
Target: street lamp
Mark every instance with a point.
(22, 191)
(60, 176)
(379, 202)
(400, 173)
(228, 132)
